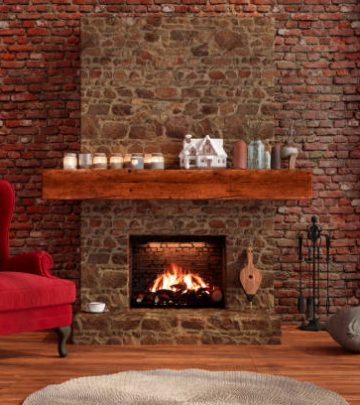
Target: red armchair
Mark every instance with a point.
(30, 297)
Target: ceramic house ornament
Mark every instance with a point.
(202, 153)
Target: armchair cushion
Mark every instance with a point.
(39, 263)
(23, 291)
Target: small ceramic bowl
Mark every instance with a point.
(96, 307)
(287, 151)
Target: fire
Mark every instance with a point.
(175, 278)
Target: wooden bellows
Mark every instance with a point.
(250, 277)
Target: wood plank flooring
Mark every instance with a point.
(29, 362)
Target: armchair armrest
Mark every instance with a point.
(39, 263)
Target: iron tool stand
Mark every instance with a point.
(309, 279)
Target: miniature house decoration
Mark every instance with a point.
(202, 153)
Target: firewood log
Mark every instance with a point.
(179, 286)
(216, 295)
(140, 298)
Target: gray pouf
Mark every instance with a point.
(344, 328)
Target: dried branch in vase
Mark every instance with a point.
(252, 129)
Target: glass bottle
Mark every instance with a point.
(256, 151)
(137, 161)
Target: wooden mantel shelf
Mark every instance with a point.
(177, 184)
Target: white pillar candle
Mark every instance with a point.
(70, 161)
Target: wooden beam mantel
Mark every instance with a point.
(177, 184)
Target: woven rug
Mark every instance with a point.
(192, 387)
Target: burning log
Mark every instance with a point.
(140, 298)
(163, 297)
(177, 287)
(180, 287)
(216, 295)
(203, 297)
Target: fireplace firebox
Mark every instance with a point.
(177, 271)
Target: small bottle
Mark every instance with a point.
(267, 159)
(256, 151)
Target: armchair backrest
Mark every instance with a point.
(7, 202)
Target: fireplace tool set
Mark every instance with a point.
(311, 262)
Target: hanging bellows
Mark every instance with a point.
(250, 277)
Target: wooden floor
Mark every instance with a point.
(28, 362)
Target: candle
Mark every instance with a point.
(116, 161)
(147, 160)
(100, 161)
(127, 161)
(157, 161)
(137, 161)
(70, 161)
(85, 160)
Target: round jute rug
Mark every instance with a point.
(192, 387)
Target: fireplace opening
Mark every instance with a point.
(177, 271)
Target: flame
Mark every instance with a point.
(175, 276)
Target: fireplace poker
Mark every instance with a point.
(301, 301)
(328, 245)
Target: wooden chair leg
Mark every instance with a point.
(63, 335)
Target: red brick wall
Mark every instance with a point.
(317, 50)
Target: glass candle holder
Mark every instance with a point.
(147, 160)
(70, 161)
(116, 161)
(85, 160)
(127, 161)
(100, 161)
(157, 161)
(137, 161)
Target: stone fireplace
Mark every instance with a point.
(200, 75)
(109, 227)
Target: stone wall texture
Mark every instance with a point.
(146, 82)
(317, 106)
